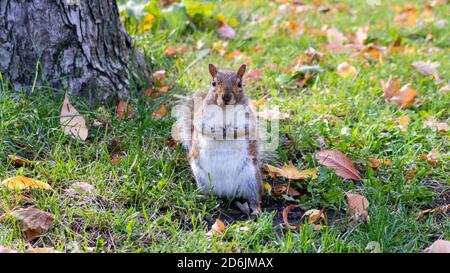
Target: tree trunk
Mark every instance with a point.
(80, 45)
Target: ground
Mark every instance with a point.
(148, 201)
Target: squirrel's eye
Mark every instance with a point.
(213, 84)
(239, 84)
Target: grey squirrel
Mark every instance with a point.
(219, 130)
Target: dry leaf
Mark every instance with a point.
(335, 40)
(345, 70)
(23, 182)
(20, 161)
(72, 123)
(217, 228)
(123, 110)
(441, 209)
(116, 159)
(376, 163)
(357, 207)
(257, 103)
(161, 112)
(41, 250)
(407, 16)
(405, 97)
(289, 171)
(431, 122)
(279, 189)
(336, 160)
(170, 51)
(431, 157)
(286, 211)
(403, 123)
(35, 222)
(314, 215)
(427, 68)
(159, 77)
(391, 87)
(439, 246)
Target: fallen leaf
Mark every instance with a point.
(159, 77)
(123, 110)
(161, 112)
(257, 103)
(35, 222)
(360, 37)
(72, 123)
(335, 40)
(439, 246)
(23, 182)
(407, 16)
(405, 97)
(41, 250)
(345, 70)
(441, 209)
(217, 228)
(289, 171)
(20, 161)
(357, 207)
(336, 160)
(445, 89)
(279, 189)
(376, 163)
(116, 159)
(286, 211)
(391, 87)
(427, 68)
(431, 157)
(314, 215)
(402, 122)
(431, 122)
(170, 51)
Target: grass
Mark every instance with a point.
(148, 202)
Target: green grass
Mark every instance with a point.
(148, 202)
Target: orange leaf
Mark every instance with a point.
(336, 160)
(22, 182)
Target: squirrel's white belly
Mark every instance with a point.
(225, 167)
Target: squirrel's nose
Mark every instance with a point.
(226, 97)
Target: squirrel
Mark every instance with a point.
(219, 130)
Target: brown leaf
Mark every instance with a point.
(289, 171)
(159, 77)
(72, 123)
(336, 160)
(345, 70)
(41, 250)
(357, 207)
(314, 215)
(406, 96)
(35, 222)
(20, 161)
(427, 68)
(161, 112)
(391, 87)
(123, 110)
(431, 122)
(286, 211)
(441, 209)
(116, 159)
(402, 122)
(170, 51)
(23, 182)
(217, 228)
(439, 246)
(257, 103)
(279, 189)
(431, 157)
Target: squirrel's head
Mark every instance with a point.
(227, 86)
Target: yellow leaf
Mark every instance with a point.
(22, 182)
(148, 22)
(291, 172)
(257, 103)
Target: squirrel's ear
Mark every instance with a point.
(241, 71)
(212, 70)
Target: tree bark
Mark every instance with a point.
(80, 45)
